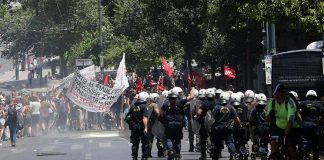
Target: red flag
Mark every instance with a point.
(229, 73)
(106, 80)
(166, 67)
(160, 84)
(198, 79)
(140, 86)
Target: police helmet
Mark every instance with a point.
(241, 95)
(165, 93)
(236, 99)
(224, 98)
(153, 96)
(171, 94)
(210, 93)
(311, 93)
(256, 95)
(249, 96)
(143, 96)
(202, 93)
(261, 99)
(176, 91)
(294, 94)
(219, 91)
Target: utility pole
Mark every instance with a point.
(17, 66)
(101, 42)
(271, 38)
(100, 25)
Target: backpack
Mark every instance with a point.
(12, 116)
(297, 119)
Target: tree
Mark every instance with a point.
(50, 27)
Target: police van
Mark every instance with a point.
(299, 70)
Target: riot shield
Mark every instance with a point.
(149, 111)
(194, 106)
(209, 121)
(160, 100)
(158, 130)
(195, 126)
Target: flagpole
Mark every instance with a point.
(225, 83)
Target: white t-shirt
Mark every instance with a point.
(35, 107)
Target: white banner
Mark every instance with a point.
(121, 77)
(89, 73)
(268, 68)
(95, 97)
(92, 96)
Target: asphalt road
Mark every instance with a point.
(85, 145)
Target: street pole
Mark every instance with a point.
(17, 66)
(101, 41)
(100, 25)
(271, 45)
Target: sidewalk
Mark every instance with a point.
(8, 80)
(23, 75)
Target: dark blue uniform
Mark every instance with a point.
(136, 125)
(222, 129)
(260, 130)
(173, 123)
(241, 132)
(311, 111)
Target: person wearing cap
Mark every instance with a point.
(311, 112)
(281, 114)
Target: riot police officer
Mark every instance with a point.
(260, 128)
(137, 119)
(218, 92)
(154, 109)
(172, 117)
(241, 132)
(205, 122)
(311, 112)
(222, 129)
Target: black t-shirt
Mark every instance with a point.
(224, 113)
(242, 112)
(311, 110)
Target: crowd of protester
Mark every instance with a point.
(47, 113)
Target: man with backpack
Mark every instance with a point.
(282, 114)
(12, 122)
